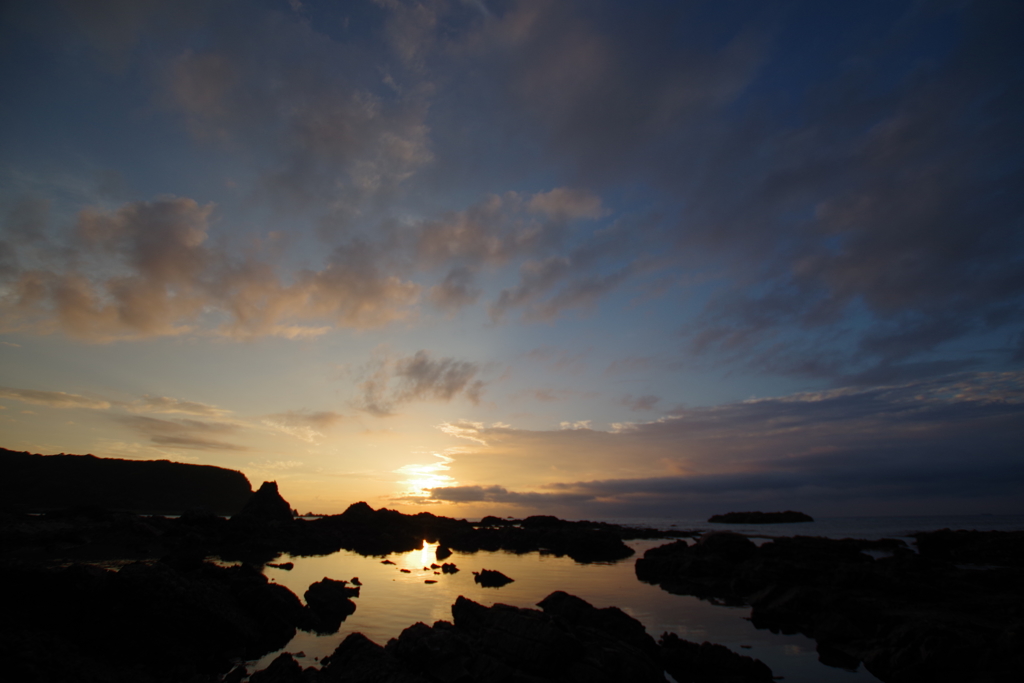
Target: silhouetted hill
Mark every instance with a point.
(32, 482)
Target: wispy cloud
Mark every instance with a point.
(304, 425)
(955, 437)
(390, 382)
(165, 404)
(183, 433)
(53, 399)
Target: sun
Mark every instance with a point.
(423, 477)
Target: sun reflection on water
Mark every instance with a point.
(391, 600)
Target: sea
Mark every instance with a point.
(391, 599)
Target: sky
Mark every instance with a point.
(595, 259)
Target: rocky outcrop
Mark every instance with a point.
(490, 578)
(567, 640)
(360, 660)
(976, 547)
(331, 601)
(147, 622)
(906, 616)
(583, 541)
(266, 506)
(36, 483)
(284, 669)
(266, 528)
(692, 663)
(787, 517)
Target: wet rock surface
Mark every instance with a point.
(947, 614)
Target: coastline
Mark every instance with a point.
(250, 545)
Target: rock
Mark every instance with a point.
(184, 625)
(442, 553)
(726, 545)
(977, 547)
(491, 520)
(686, 661)
(449, 568)
(266, 505)
(610, 620)
(490, 578)
(441, 653)
(236, 675)
(787, 517)
(584, 541)
(284, 669)
(429, 581)
(329, 600)
(907, 617)
(287, 566)
(547, 646)
(359, 660)
(33, 482)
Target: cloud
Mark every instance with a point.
(630, 364)
(567, 204)
(152, 274)
(456, 291)
(499, 494)
(27, 220)
(502, 227)
(846, 225)
(895, 241)
(270, 82)
(305, 425)
(159, 248)
(552, 395)
(165, 404)
(183, 433)
(572, 361)
(464, 429)
(276, 465)
(394, 381)
(858, 226)
(53, 399)
(640, 403)
(539, 278)
(894, 446)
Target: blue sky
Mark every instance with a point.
(589, 258)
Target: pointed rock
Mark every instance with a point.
(266, 505)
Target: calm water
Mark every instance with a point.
(391, 600)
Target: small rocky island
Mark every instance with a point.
(787, 517)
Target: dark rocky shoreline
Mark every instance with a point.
(170, 615)
(954, 611)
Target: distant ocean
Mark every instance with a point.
(392, 600)
(870, 528)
